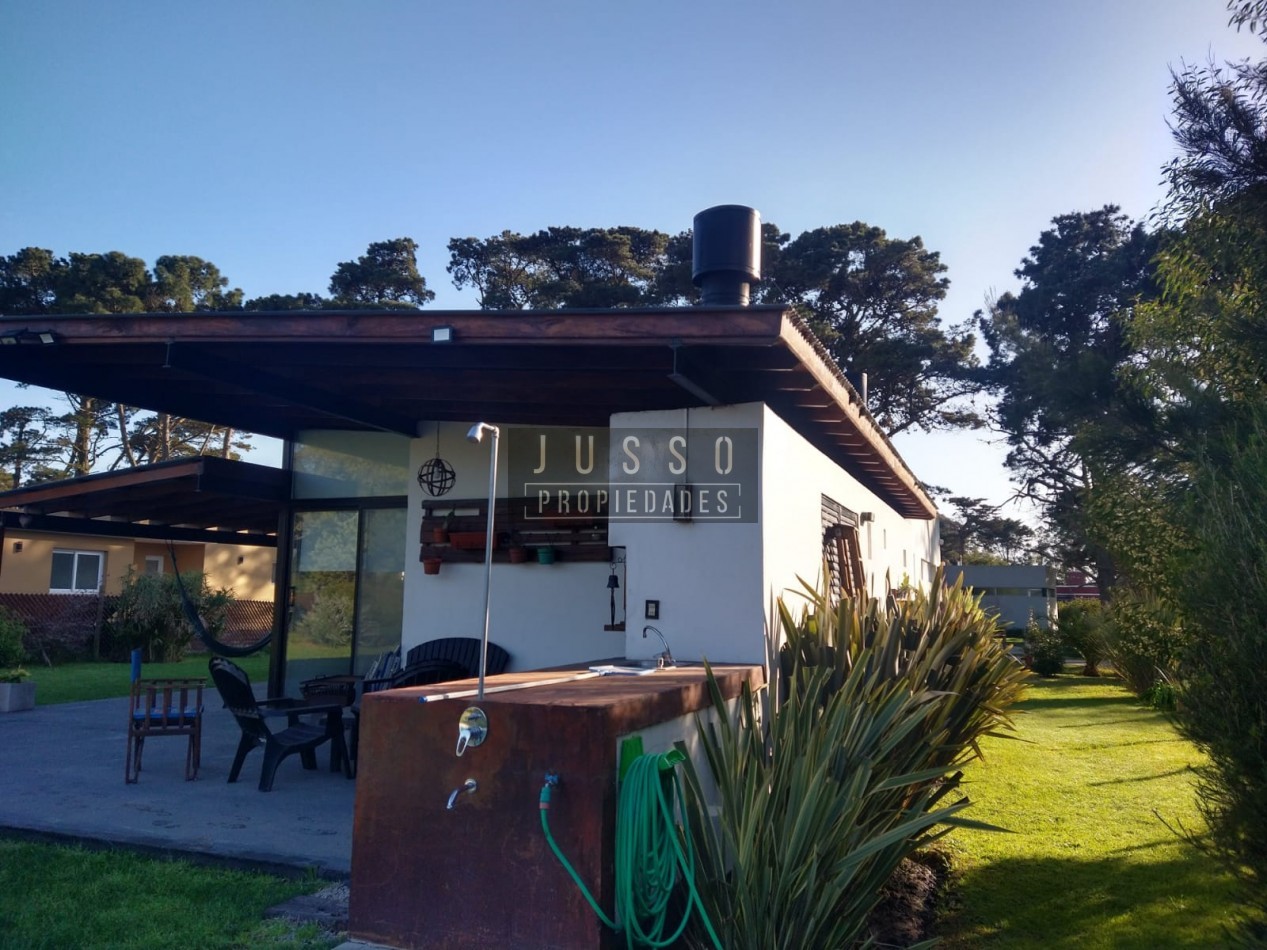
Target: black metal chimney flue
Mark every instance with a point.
(726, 254)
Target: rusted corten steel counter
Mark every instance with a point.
(481, 874)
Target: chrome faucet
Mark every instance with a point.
(665, 659)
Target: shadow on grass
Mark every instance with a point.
(1111, 902)
(1053, 692)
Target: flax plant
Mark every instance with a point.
(850, 762)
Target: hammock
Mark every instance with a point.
(200, 629)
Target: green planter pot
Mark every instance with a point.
(545, 555)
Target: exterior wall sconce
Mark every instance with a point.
(17, 547)
(866, 517)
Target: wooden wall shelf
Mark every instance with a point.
(574, 540)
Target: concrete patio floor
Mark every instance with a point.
(61, 775)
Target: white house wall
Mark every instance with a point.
(544, 615)
(794, 477)
(705, 575)
(714, 582)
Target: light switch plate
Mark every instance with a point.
(653, 610)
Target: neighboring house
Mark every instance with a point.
(83, 535)
(1015, 592)
(1077, 586)
(718, 400)
(40, 562)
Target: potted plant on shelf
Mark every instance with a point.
(440, 533)
(431, 565)
(515, 549)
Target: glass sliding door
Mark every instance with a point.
(322, 594)
(346, 591)
(380, 602)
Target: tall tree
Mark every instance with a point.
(976, 534)
(299, 301)
(28, 443)
(95, 433)
(386, 276)
(1200, 532)
(873, 301)
(28, 281)
(183, 284)
(1056, 351)
(560, 267)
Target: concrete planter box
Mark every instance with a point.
(14, 697)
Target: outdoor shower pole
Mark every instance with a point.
(477, 435)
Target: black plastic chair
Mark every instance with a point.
(435, 661)
(298, 736)
(460, 651)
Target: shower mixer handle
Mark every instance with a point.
(468, 786)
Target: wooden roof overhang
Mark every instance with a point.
(197, 499)
(279, 373)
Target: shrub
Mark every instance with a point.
(1222, 702)
(1143, 639)
(327, 622)
(1080, 625)
(149, 613)
(845, 766)
(12, 632)
(1046, 649)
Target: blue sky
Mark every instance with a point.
(277, 139)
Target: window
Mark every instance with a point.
(841, 550)
(76, 572)
(154, 564)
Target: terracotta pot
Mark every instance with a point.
(440, 535)
(518, 555)
(431, 565)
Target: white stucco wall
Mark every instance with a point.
(706, 575)
(795, 476)
(715, 582)
(544, 615)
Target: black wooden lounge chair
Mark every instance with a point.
(298, 736)
(436, 661)
(460, 652)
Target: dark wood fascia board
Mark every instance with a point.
(638, 327)
(61, 524)
(903, 489)
(257, 481)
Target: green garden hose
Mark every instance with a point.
(650, 854)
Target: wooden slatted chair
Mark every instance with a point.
(164, 707)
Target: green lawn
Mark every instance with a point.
(53, 897)
(75, 682)
(1088, 863)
